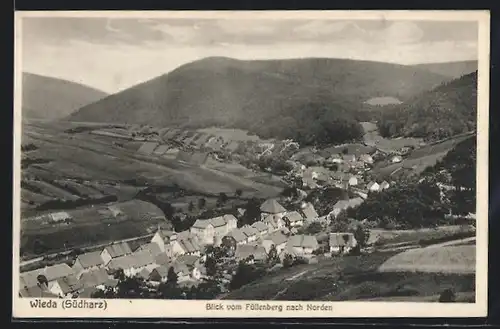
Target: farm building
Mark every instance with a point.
(301, 245)
(88, 262)
(277, 238)
(152, 248)
(66, 286)
(210, 230)
(50, 274)
(115, 251)
(160, 150)
(59, 216)
(293, 219)
(250, 253)
(134, 263)
(147, 148)
(341, 242)
(98, 279)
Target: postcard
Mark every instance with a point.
(244, 164)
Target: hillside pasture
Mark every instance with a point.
(450, 259)
(31, 197)
(51, 190)
(384, 237)
(81, 190)
(232, 134)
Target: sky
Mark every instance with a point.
(112, 54)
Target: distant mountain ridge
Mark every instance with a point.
(444, 111)
(52, 98)
(267, 97)
(452, 69)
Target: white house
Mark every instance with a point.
(88, 262)
(250, 232)
(384, 185)
(133, 264)
(278, 239)
(162, 238)
(366, 158)
(66, 286)
(261, 228)
(210, 231)
(309, 213)
(272, 207)
(302, 245)
(373, 186)
(294, 219)
(114, 251)
(396, 159)
(273, 222)
(353, 181)
(341, 242)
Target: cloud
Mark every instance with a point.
(399, 33)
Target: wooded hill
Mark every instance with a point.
(312, 100)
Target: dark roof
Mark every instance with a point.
(90, 259)
(118, 250)
(271, 206)
(94, 278)
(36, 292)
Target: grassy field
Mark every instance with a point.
(232, 134)
(451, 259)
(351, 278)
(385, 237)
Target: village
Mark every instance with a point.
(278, 237)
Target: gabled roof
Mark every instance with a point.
(371, 184)
(162, 259)
(152, 247)
(54, 272)
(249, 231)
(201, 224)
(271, 206)
(260, 226)
(90, 259)
(144, 274)
(36, 292)
(135, 260)
(271, 220)
(188, 260)
(303, 241)
(69, 284)
(237, 235)
(189, 244)
(118, 250)
(246, 250)
(337, 240)
(166, 234)
(95, 278)
(294, 217)
(218, 221)
(309, 211)
(277, 238)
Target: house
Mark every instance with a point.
(66, 286)
(98, 279)
(261, 228)
(251, 253)
(349, 158)
(302, 245)
(186, 243)
(152, 248)
(366, 158)
(114, 251)
(293, 219)
(37, 291)
(49, 274)
(250, 233)
(384, 185)
(194, 265)
(342, 205)
(132, 264)
(309, 213)
(60, 217)
(373, 187)
(160, 273)
(273, 222)
(147, 148)
(278, 239)
(88, 262)
(234, 238)
(341, 242)
(353, 181)
(162, 259)
(272, 207)
(162, 238)
(396, 159)
(210, 230)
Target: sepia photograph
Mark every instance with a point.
(250, 164)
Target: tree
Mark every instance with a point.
(314, 228)
(272, 256)
(361, 235)
(171, 276)
(222, 199)
(211, 266)
(245, 273)
(238, 192)
(287, 261)
(252, 213)
(201, 203)
(447, 296)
